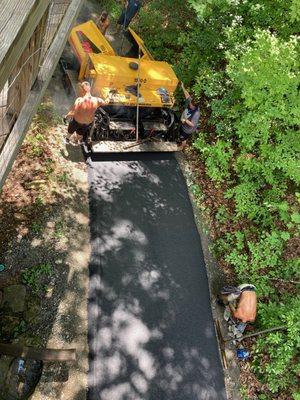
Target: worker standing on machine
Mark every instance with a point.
(82, 115)
(189, 118)
(129, 12)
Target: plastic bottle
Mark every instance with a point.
(242, 354)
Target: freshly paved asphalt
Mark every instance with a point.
(151, 331)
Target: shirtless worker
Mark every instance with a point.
(82, 114)
(245, 296)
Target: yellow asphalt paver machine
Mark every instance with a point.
(139, 91)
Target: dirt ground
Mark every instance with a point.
(69, 326)
(44, 246)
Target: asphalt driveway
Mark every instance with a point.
(151, 332)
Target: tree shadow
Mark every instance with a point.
(151, 333)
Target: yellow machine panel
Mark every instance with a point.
(140, 42)
(92, 33)
(115, 76)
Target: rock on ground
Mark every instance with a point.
(14, 297)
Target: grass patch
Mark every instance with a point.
(36, 277)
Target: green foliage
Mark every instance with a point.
(269, 100)
(261, 259)
(64, 177)
(35, 277)
(46, 116)
(217, 157)
(50, 167)
(281, 346)
(112, 7)
(59, 229)
(35, 142)
(19, 329)
(243, 393)
(39, 201)
(222, 214)
(295, 16)
(37, 227)
(43, 120)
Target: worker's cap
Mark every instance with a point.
(226, 290)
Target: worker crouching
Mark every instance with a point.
(240, 306)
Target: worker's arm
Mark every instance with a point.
(185, 92)
(232, 309)
(188, 122)
(102, 102)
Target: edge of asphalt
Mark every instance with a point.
(216, 280)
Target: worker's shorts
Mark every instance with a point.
(125, 19)
(183, 135)
(81, 129)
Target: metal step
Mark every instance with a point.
(134, 147)
(154, 126)
(121, 125)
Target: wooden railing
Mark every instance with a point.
(27, 63)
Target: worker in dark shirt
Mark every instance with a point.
(189, 118)
(131, 9)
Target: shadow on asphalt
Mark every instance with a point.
(151, 332)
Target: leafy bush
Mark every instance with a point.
(281, 347)
(217, 158)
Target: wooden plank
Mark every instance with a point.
(4, 126)
(16, 350)
(24, 74)
(131, 147)
(10, 53)
(13, 14)
(16, 137)
(39, 37)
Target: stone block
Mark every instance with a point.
(5, 362)
(14, 297)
